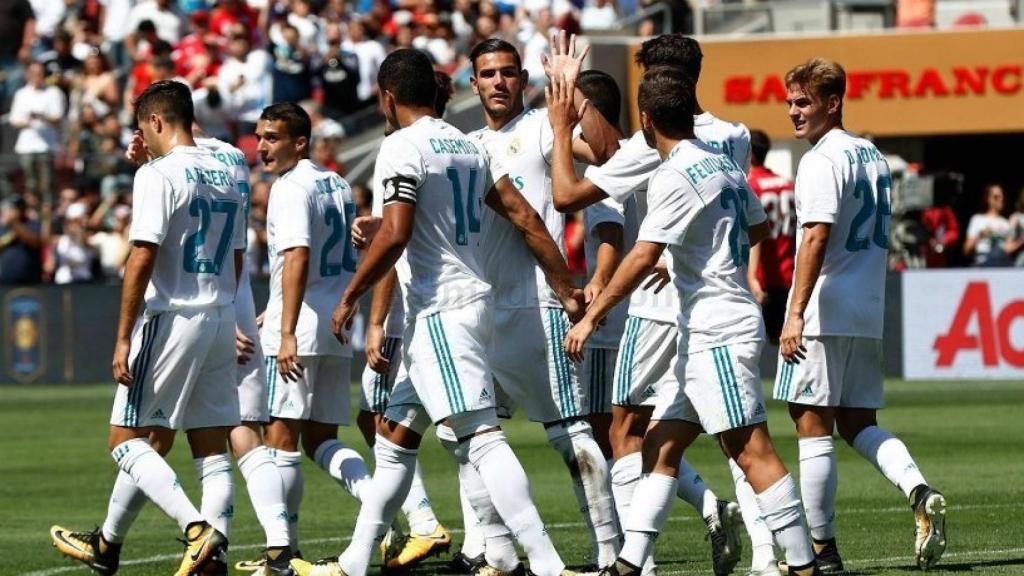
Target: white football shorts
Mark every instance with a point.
(322, 394)
(597, 377)
(376, 387)
(838, 371)
(252, 376)
(645, 360)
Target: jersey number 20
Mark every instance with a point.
(341, 233)
(739, 246)
(467, 206)
(203, 209)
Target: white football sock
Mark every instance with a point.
(694, 491)
(289, 466)
(343, 464)
(761, 539)
(576, 445)
(509, 489)
(126, 501)
(890, 455)
(819, 479)
(266, 491)
(156, 479)
(416, 507)
(652, 503)
(780, 506)
(473, 539)
(218, 486)
(382, 499)
(625, 477)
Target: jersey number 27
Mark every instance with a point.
(203, 209)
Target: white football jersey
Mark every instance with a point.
(394, 325)
(845, 181)
(608, 210)
(700, 207)
(310, 207)
(234, 160)
(186, 202)
(626, 175)
(523, 147)
(444, 173)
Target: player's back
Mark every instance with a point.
(234, 161)
(709, 261)
(849, 298)
(312, 206)
(443, 172)
(189, 204)
(729, 138)
(523, 146)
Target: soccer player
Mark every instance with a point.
(174, 358)
(526, 356)
(770, 273)
(254, 460)
(434, 179)
(385, 323)
(309, 216)
(699, 208)
(648, 347)
(830, 371)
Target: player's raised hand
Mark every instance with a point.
(137, 153)
(563, 62)
(364, 228)
(791, 340)
(341, 320)
(122, 373)
(375, 358)
(244, 347)
(562, 113)
(659, 277)
(577, 337)
(288, 365)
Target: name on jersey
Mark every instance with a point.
(329, 185)
(453, 146)
(209, 177)
(231, 158)
(710, 166)
(865, 155)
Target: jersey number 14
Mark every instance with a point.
(467, 206)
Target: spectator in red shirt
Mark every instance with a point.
(231, 12)
(770, 271)
(193, 59)
(940, 223)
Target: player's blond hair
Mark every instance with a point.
(821, 77)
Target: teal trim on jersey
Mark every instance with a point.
(554, 362)
(139, 369)
(785, 382)
(624, 382)
(271, 383)
(557, 330)
(724, 385)
(449, 376)
(735, 388)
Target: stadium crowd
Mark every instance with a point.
(69, 72)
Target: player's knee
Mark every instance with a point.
(367, 424)
(468, 424)
(850, 425)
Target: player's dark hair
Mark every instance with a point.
(602, 91)
(492, 45)
(760, 144)
(445, 89)
(295, 120)
(674, 49)
(409, 76)
(171, 99)
(668, 97)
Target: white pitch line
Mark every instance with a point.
(566, 525)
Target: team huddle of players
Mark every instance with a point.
(474, 314)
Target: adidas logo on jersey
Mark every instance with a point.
(484, 395)
(760, 410)
(158, 415)
(807, 391)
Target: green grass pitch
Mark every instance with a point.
(966, 436)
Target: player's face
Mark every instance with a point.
(499, 83)
(811, 115)
(151, 128)
(278, 151)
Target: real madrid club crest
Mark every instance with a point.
(23, 324)
(515, 146)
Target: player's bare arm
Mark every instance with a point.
(293, 288)
(636, 266)
(504, 199)
(387, 246)
(383, 293)
(810, 256)
(609, 254)
(137, 272)
(568, 193)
